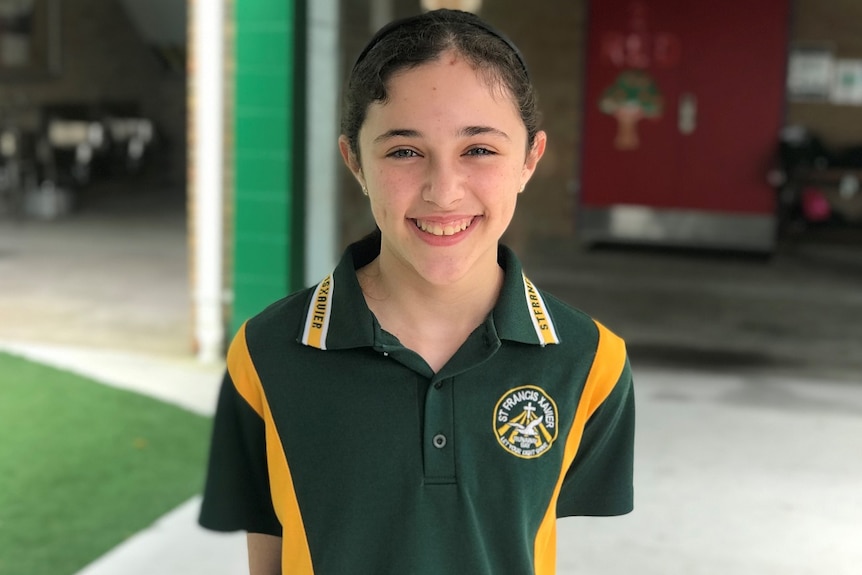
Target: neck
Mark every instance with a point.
(387, 280)
(424, 315)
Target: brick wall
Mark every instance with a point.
(551, 35)
(267, 245)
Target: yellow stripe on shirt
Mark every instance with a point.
(607, 367)
(295, 554)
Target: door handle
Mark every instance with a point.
(687, 115)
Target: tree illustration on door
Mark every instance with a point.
(633, 96)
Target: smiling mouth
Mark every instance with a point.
(444, 229)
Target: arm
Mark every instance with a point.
(264, 554)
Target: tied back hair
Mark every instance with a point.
(409, 43)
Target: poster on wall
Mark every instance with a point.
(847, 82)
(634, 95)
(809, 74)
(29, 37)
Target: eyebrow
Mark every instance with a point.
(464, 132)
(478, 130)
(397, 134)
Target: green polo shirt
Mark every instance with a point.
(334, 436)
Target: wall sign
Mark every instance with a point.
(809, 74)
(847, 82)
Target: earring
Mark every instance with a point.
(364, 190)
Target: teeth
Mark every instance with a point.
(448, 229)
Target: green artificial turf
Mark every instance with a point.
(83, 466)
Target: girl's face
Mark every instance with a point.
(443, 161)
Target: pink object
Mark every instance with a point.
(815, 206)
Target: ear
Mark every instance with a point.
(535, 154)
(350, 159)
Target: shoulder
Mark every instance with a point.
(610, 362)
(281, 320)
(567, 316)
(570, 320)
(578, 329)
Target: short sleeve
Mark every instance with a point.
(599, 481)
(237, 493)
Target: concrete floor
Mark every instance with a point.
(797, 313)
(748, 371)
(113, 275)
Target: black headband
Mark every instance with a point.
(447, 16)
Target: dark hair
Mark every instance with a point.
(413, 41)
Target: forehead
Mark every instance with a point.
(448, 88)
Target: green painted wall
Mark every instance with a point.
(268, 164)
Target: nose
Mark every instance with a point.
(443, 186)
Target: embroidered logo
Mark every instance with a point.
(525, 421)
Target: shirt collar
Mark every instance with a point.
(337, 316)
(521, 313)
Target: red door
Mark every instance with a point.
(683, 105)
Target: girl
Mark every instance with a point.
(425, 409)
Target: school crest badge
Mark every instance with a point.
(525, 421)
